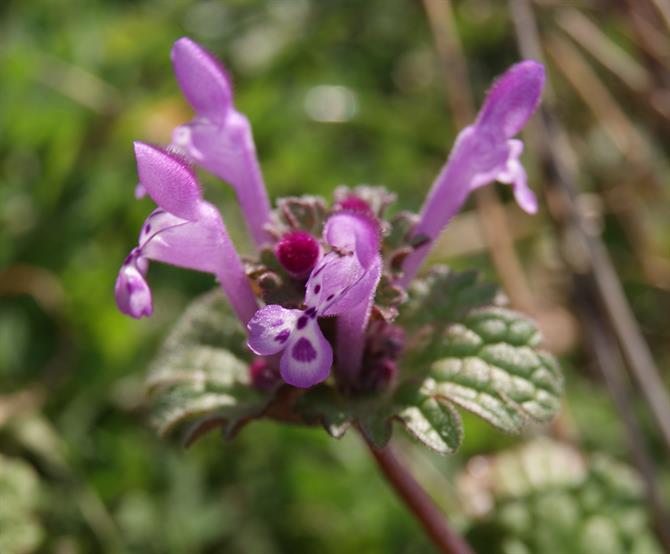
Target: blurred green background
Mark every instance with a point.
(341, 92)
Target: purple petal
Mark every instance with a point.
(169, 181)
(307, 358)
(514, 174)
(356, 232)
(203, 245)
(482, 154)
(202, 79)
(133, 295)
(270, 329)
(513, 98)
(352, 322)
(331, 281)
(227, 150)
(140, 191)
(190, 244)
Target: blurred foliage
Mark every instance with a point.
(545, 497)
(81, 79)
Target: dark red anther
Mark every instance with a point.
(297, 252)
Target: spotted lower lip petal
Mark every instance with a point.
(307, 358)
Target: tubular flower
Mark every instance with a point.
(219, 138)
(333, 279)
(185, 231)
(483, 152)
(344, 282)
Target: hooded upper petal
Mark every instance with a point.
(169, 181)
(513, 98)
(356, 232)
(202, 79)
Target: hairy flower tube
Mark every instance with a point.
(325, 274)
(185, 231)
(219, 138)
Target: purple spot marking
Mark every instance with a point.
(132, 285)
(317, 289)
(311, 312)
(147, 229)
(302, 321)
(303, 351)
(129, 258)
(283, 336)
(277, 323)
(330, 297)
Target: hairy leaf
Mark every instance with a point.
(434, 422)
(338, 413)
(445, 296)
(201, 375)
(488, 364)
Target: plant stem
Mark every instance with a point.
(418, 502)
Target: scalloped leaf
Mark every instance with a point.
(445, 296)
(488, 365)
(433, 422)
(200, 378)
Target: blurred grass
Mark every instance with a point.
(79, 81)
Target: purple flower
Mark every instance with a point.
(219, 138)
(341, 272)
(342, 284)
(484, 152)
(185, 231)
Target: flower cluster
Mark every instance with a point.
(321, 271)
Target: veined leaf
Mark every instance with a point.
(445, 296)
(488, 364)
(433, 422)
(201, 375)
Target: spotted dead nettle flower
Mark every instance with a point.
(329, 264)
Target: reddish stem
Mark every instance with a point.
(419, 503)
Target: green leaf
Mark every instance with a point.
(323, 405)
(547, 496)
(376, 424)
(433, 422)
(337, 413)
(201, 375)
(488, 364)
(445, 296)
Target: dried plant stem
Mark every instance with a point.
(594, 260)
(418, 502)
(596, 279)
(492, 218)
(608, 358)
